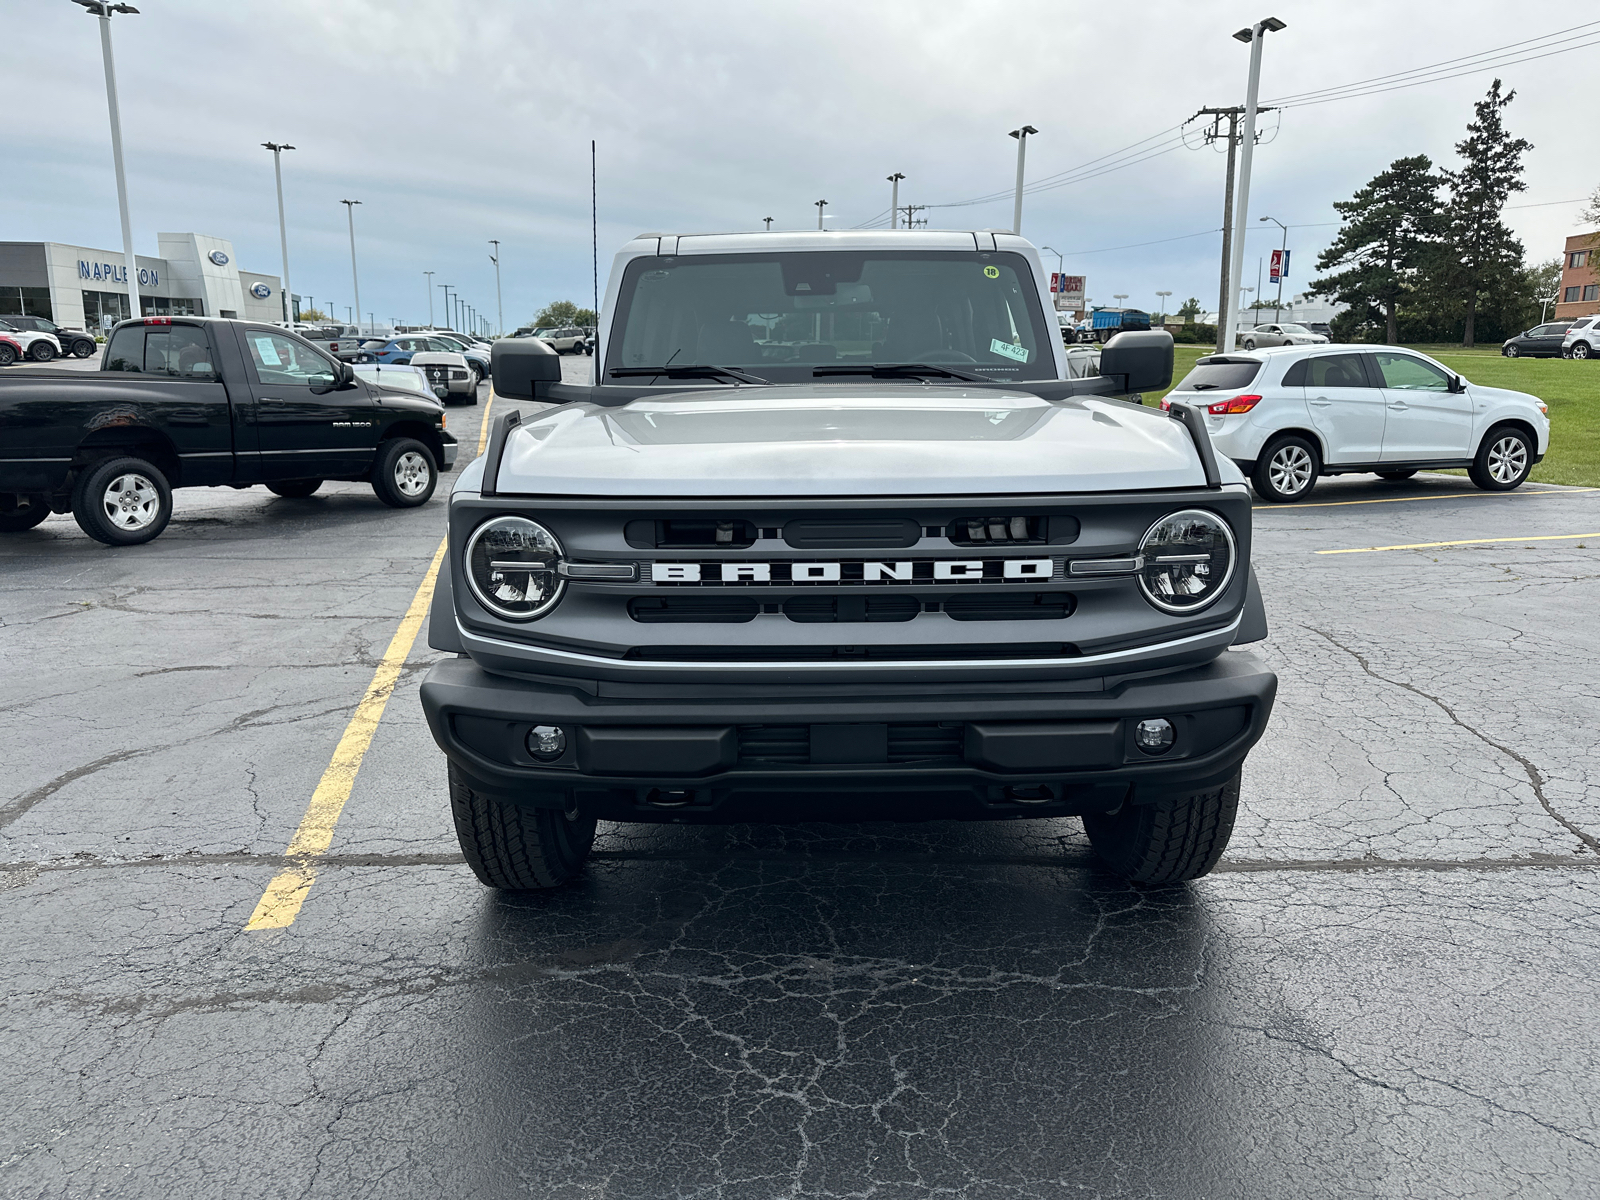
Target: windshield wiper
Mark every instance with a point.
(897, 371)
(1204, 387)
(701, 371)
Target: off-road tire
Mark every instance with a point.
(514, 847)
(1269, 472)
(8, 354)
(20, 520)
(91, 493)
(1170, 841)
(41, 351)
(294, 489)
(397, 457)
(1498, 466)
(1395, 476)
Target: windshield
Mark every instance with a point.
(1294, 328)
(782, 315)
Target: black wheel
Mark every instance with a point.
(41, 351)
(1581, 350)
(82, 348)
(8, 354)
(589, 350)
(405, 474)
(517, 847)
(1511, 352)
(477, 376)
(1287, 469)
(294, 489)
(1504, 460)
(20, 513)
(1169, 841)
(122, 502)
(1396, 476)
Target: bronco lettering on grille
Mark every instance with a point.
(921, 570)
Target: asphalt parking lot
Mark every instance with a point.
(1386, 989)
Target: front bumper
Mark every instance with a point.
(652, 752)
(448, 447)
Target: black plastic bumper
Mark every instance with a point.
(710, 753)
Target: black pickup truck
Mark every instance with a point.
(204, 402)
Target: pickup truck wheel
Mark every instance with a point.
(294, 489)
(516, 847)
(122, 502)
(1286, 470)
(8, 354)
(41, 351)
(29, 511)
(1168, 841)
(405, 475)
(1504, 460)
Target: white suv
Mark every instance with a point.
(1583, 339)
(1290, 414)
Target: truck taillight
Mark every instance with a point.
(1239, 404)
(158, 320)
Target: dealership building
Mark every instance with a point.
(79, 287)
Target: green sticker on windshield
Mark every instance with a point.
(1020, 353)
(992, 272)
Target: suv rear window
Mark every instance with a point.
(1219, 373)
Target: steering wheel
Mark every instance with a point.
(942, 356)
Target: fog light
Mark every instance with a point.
(547, 742)
(1155, 736)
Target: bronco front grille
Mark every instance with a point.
(937, 653)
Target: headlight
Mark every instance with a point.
(1188, 560)
(511, 567)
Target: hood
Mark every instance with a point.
(847, 440)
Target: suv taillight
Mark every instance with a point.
(1239, 404)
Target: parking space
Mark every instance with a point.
(1385, 989)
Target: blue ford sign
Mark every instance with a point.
(218, 257)
(260, 291)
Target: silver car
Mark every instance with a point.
(1280, 335)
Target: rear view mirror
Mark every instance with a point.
(524, 368)
(1142, 357)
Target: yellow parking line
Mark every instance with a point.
(280, 903)
(1413, 499)
(1552, 537)
(483, 434)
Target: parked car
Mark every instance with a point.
(10, 350)
(450, 367)
(407, 378)
(1289, 415)
(1280, 334)
(567, 339)
(202, 402)
(1582, 340)
(1542, 341)
(475, 352)
(74, 342)
(40, 347)
(1321, 327)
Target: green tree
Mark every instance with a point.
(1388, 227)
(312, 315)
(564, 312)
(1190, 310)
(1482, 255)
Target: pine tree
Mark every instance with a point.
(1388, 227)
(1482, 253)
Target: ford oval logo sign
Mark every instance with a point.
(218, 257)
(260, 291)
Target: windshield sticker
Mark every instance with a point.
(266, 352)
(1020, 353)
(991, 272)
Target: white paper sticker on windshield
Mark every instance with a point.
(266, 352)
(996, 346)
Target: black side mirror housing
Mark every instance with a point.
(1457, 385)
(1143, 357)
(523, 368)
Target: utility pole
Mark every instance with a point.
(103, 9)
(894, 199)
(429, 274)
(283, 229)
(1254, 36)
(1022, 152)
(350, 210)
(499, 302)
(911, 215)
(1232, 115)
(821, 204)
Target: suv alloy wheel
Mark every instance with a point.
(1287, 470)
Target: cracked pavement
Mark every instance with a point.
(1385, 990)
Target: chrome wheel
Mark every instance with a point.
(1508, 459)
(1511, 352)
(412, 474)
(1290, 470)
(131, 502)
(1581, 350)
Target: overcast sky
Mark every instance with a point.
(455, 122)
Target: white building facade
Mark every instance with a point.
(82, 288)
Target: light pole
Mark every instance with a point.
(446, 288)
(821, 204)
(1060, 270)
(283, 228)
(350, 211)
(894, 200)
(1022, 153)
(1255, 35)
(499, 303)
(130, 267)
(768, 220)
(1163, 313)
(1277, 312)
(1119, 295)
(429, 274)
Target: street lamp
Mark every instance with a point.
(446, 288)
(1163, 313)
(130, 268)
(1119, 295)
(283, 229)
(821, 204)
(894, 200)
(499, 302)
(1254, 36)
(429, 274)
(1277, 313)
(350, 211)
(1022, 151)
(768, 220)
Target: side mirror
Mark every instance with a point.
(1457, 385)
(523, 369)
(1142, 357)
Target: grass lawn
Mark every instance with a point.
(1569, 386)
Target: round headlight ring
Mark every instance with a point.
(1185, 587)
(508, 593)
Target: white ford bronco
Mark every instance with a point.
(833, 537)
